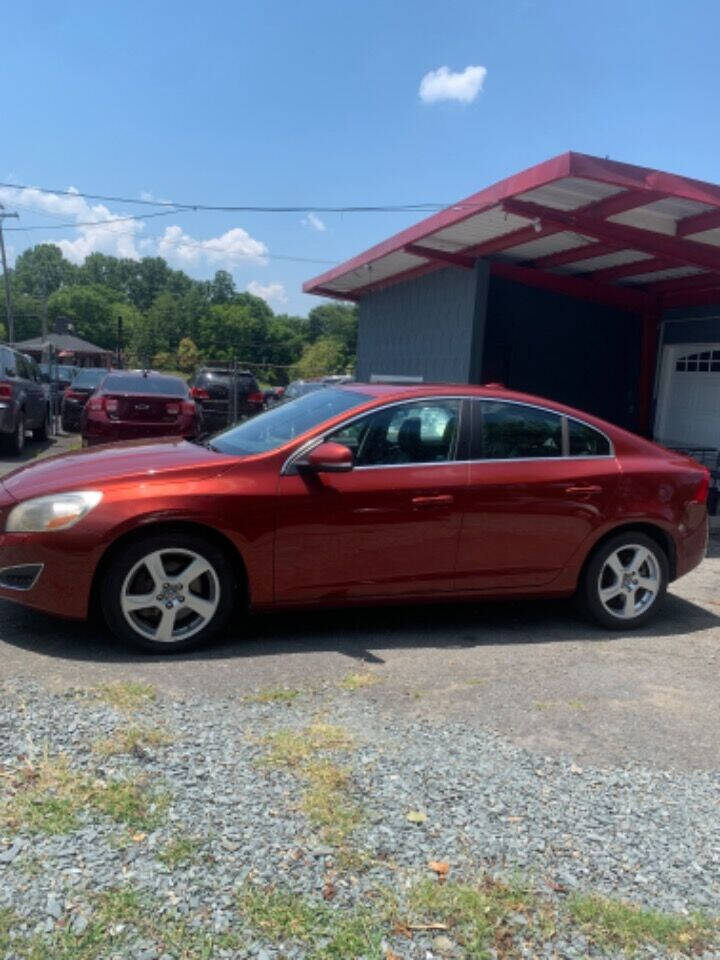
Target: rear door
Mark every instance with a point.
(539, 484)
(390, 526)
(35, 403)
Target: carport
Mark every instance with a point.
(587, 280)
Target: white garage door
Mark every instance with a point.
(688, 408)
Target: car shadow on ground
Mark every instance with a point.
(36, 449)
(355, 632)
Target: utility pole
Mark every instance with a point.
(6, 278)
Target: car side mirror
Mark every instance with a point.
(328, 457)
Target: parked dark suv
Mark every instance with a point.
(24, 400)
(76, 395)
(211, 389)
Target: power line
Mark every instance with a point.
(248, 208)
(93, 223)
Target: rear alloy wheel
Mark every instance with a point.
(625, 581)
(169, 593)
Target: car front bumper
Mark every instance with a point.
(62, 581)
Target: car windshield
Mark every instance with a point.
(278, 426)
(162, 386)
(89, 378)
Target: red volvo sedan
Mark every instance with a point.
(130, 405)
(355, 494)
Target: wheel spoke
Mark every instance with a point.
(615, 564)
(194, 570)
(164, 632)
(642, 554)
(648, 583)
(154, 565)
(610, 592)
(139, 601)
(203, 608)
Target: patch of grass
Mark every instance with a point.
(291, 748)
(356, 681)
(48, 796)
(473, 915)
(577, 704)
(126, 696)
(130, 740)
(181, 850)
(275, 695)
(328, 933)
(612, 923)
(326, 802)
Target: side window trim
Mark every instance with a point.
(474, 405)
(462, 439)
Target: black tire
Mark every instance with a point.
(42, 432)
(220, 586)
(16, 442)
(632, 605)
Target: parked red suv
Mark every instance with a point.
(355, 494)
(134, 405)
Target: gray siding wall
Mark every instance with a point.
(692, 325)
(429, 327)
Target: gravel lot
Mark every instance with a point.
(284, 762)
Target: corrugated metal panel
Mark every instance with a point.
(618, 259)
(570, 193)
(379, 270)
(483, 226)
(711, 237)
(673, 274)
(661, 216)
(544, 246)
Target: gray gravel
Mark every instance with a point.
(652, 837)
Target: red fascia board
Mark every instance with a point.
(683, 252)
(633, 300)
(555, 169)
(709, 220)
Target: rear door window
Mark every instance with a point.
(514, 431)
(586, 441)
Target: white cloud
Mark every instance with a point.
(270, 293)
(313, 222)
(100, 230)
(232, 247)
(443, 84)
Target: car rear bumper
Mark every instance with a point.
(691, 545)
(7, 418)
(115, 433)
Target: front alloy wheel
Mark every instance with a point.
(169, 593)
(625, 581)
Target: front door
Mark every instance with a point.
(390, 526)
(539, 484)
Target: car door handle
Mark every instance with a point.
(437, 501)
(584, 488)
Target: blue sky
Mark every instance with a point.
(318, 103)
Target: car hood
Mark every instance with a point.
(120, 463)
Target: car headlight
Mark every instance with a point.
(49, 514)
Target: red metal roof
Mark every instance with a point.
(592, 228)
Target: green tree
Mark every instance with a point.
(148, 279)
(222, 287)
(230, 331)
(323, 357)
(188, 355)
(90, 309)
(43, 270)
(336, 320)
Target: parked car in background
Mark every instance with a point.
(132, 405)
(76, 395)
(272, 396)
(355, 494)
(24, 400)
(298, 388)
(60, 375)
(212, 390)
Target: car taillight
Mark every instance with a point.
(5, 391)
(256, 397)
(172, 409)
(111, 405)
(188, 408)
(701, 494)
(95, 403)
(197, 393)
